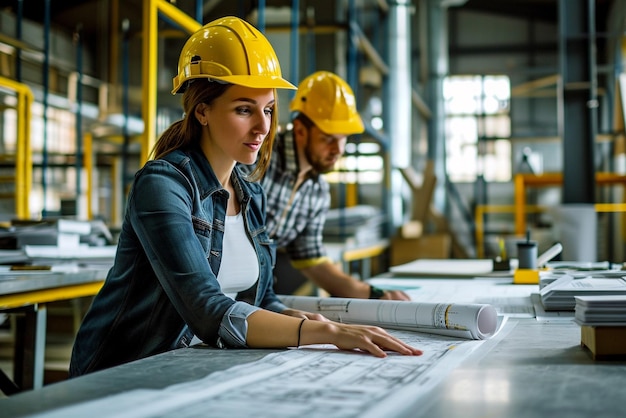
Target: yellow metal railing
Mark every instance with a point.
(522, 181)
(151, 9)
(23, 153)
(520, 209)
(88, 163)
(479, 221)
(33, 297)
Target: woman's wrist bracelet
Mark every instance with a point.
(300, 331)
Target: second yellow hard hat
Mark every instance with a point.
(329, 102)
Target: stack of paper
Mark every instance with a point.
(560, 294)
(606, 310)
(469, 268)
(549, 276)
(582, 265)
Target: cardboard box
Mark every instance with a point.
(604, 343)
(404, 250)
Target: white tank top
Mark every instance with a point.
(239, 268)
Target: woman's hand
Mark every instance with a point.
(271, 330)
(371, 339)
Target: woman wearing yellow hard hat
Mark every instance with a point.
(194, 262)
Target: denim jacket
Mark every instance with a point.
(163, 288)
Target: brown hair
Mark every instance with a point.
(305, 120)
(188, 130)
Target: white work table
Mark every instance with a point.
(530, 368)
(537, 370)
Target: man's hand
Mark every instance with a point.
(329, 277)
(395, 295)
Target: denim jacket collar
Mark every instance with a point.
(205, 177)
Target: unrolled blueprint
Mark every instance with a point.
(309, 382)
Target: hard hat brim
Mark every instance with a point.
(340, 127)
(259, 82)
(252, 81)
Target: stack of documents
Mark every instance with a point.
(549, 276)
(606, 310)
(560, 294)
(582, 265)
(468, 268)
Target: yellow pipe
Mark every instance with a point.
(481, 210)
(150, 53)
(520, 203)
(23, 157)
(17, 300)
(13, 85)
(610, 207)
(115, 193)
(20, 160)
(88, 160)
(352, 193)
(28, 166)
(479, 230)
(546, 180)
(149, 79)
(174, 13)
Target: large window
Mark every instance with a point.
(478, 126)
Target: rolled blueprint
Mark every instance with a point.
(472, 321)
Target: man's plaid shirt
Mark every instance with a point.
(295, 219)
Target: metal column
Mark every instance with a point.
(78, 165)
(30, 348)
(294, 46)
(578, 105)
(435, 20)
(46, 91)
(398, 104)
(579, 102)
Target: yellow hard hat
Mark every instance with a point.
(230, 50)
(329, 102)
